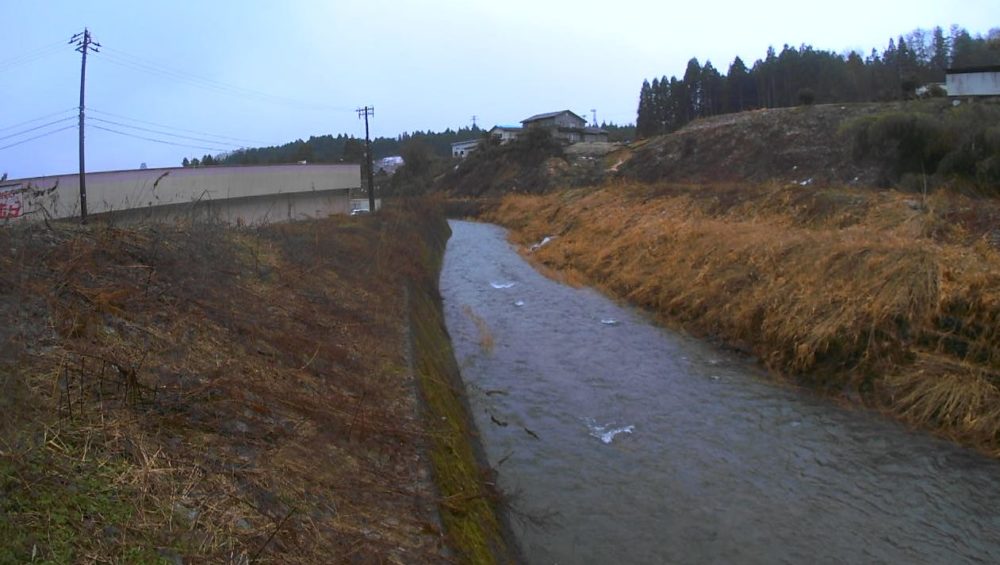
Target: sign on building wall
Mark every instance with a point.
(10, 201)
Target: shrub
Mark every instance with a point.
(955, 143)
(420, 165)
(535, 146)
(903, 143)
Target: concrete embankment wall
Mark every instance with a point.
(469, 505)
(244, 194)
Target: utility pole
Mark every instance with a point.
(365, 112)
(473, 121)
(84, 43)
(593, 112)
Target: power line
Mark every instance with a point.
(176, 77)
(161, 132)
(34, 51)
(36, 137)
(38, 119)
(220, 150)
(122, 58)
(171, 74)
(32, 55)
(22, 132)
(126, 118)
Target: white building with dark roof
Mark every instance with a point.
(461, 149)
(973, 81)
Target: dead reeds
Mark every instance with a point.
(843, 289)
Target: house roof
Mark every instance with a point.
(537, 117)
(507, 128)
(465, 143)
(968, 70)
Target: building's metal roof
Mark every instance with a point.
(969, 70)
(465, 143)
(507, 128)
(537, 117)
(203, 169)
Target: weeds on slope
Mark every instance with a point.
(876, 294)
(208, 393)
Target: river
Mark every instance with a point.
(622, 442)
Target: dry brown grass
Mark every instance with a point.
(226, 395)
(842, 289)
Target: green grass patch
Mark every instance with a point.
(60, 505)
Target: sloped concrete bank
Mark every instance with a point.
(468, 506)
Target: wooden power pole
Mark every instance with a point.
(84, 43)
(365, 112)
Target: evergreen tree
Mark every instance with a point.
(353, 151)
(962, 48)
(736, 87)
(645, 121)
(666, 106)
(691, 88)
(712, 90)
(939, 53)
(858, 83)
(764, 72)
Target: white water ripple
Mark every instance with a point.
(607, 432)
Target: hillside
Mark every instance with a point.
(876, 145)
(802, 144)
(201, 393)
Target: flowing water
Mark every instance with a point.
(633, 444)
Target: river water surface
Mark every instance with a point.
(634, 444)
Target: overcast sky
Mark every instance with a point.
(264, 73)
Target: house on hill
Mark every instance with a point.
(565, 126)
(973, 81)
(504, 134)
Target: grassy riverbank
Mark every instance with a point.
(214, 394)
(873, 296)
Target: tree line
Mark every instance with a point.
(349, 149)
(805, 75)
(340, 149)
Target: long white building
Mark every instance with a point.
(241, 194)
